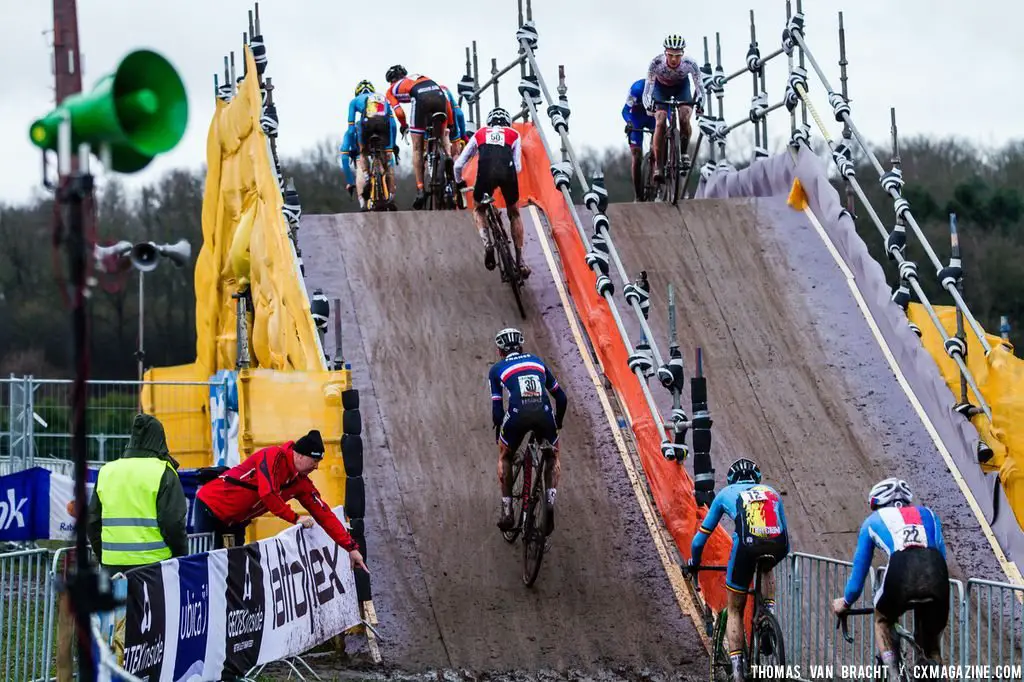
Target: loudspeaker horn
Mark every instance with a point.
(140, 111)
(144, 256)
(113, 258)
(178, 252)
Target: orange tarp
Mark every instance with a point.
(670, 483)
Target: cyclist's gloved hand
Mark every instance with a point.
(629, 128)
(839, 606)
(461, 185)
(394, 150)
(403, 130)
(351, 189)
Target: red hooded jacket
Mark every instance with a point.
(264, 482)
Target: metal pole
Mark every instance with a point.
(757, 89)
(339, 355)
(234, 85)
(789, 60)
(954, 238)
(141, 355)
(712, 156)
(721, 92)
(494, 77)
(562, 90)
(847, 134)
(803, 106)
(476, 83)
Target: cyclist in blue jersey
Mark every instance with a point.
(760, 531)
(916, 576)
(637, 118)
(527, 380)
(456, 129)
(375, 118)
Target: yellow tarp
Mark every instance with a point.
(276, 406)
(245, 239)
(245, 244)
(1000, 378)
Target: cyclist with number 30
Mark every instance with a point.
(916, 576)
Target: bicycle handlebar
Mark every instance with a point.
(672, 101)
(841, 620)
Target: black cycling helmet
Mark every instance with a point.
(395, 72)
(743, 470)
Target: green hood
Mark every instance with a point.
(148, 439)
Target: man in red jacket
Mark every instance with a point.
(264, 482)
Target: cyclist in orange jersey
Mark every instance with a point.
(425, 98)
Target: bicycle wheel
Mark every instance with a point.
(647, 177)
(517, 499)
(769, 648)
(721, 664)
(506, 261)
(672, 167)
(534, 538)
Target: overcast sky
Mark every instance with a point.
(947, 67)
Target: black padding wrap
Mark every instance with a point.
(703, 472)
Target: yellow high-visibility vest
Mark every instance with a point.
(127, 489)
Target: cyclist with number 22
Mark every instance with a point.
(528, 381)
(911, 536)
(760, 530)
(667, 77)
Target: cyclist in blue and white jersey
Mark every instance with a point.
(916, 576)
(760, 531)
(375, 117)
(668, 76)
(637, 118)
(527, 380)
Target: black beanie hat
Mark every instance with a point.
(311, 445)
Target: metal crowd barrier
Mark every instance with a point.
(35, 417)
(33, 624)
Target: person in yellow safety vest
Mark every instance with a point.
(138, 507)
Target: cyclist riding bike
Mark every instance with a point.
(911, 536)
(457, 135)
(425, 98)
(527, 380)
(501, 160)
(637, 118)
(760, 530)
(668, 76)
(374, 119)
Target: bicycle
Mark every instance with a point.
(439, 170)
(907, 652)
(674, 171)
(764, 644)
(503, 250)
(528, 504)
(376, 193)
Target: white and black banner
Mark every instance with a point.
(220, 613)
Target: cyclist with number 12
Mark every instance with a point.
(916, 576)
(760, 530)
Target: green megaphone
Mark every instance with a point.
(139, 111)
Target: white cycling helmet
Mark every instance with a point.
(498, 117)
(509, 339)
(674, 41)
(890, 491)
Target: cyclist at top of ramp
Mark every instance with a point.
(667, 77)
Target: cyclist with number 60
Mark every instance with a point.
(916, 575)
(528, 381)
(501, 160)
(760, 530)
